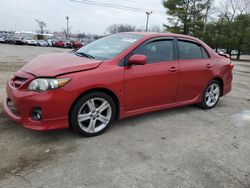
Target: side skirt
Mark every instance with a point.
(125, 114)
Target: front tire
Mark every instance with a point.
(92, 114)
(211, 95)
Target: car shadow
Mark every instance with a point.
(56, 135)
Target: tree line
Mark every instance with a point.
(226, 26)
(117, 28)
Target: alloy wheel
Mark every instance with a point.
(212, 94)
(94, 115)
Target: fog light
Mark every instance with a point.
(37, 114)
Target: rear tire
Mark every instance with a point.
(211, 95)
(92, 114)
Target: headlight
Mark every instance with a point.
(44, 84)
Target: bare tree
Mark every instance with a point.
(227, 10)
(41, 25)
(244, 6)
(231, 8)
(155, 28)
(117, 28)
(248, 6)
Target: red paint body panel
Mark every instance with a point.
(144, 88)
(194, 77)
(139, 89)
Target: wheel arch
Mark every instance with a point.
(219, 79)
(103, 90)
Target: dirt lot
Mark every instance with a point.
(183, 147)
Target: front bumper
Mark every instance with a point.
(52, 103)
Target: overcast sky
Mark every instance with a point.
(20, 15)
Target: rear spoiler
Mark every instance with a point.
(224, 55)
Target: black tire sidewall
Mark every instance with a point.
(78, 104)
(203, 102)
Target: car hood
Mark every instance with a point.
(52, 65)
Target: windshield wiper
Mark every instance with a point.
(85, 55)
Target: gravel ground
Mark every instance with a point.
(182, 147)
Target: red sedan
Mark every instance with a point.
(60, 44)
(116, 77)
(76, 45)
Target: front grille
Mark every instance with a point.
(17, 81)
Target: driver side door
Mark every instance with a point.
(155, 83)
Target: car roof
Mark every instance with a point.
(156, 34)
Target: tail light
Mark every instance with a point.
(231, 65)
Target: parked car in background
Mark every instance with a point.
(2, 39)
(26, 39)
(11, 40)
(29, 41)
(8, 39)
(220, 50)
(60, 44)
(116, 76)
(234, 52)
(51, 42)
(76, 44)
(17, 40)
(68, 44)
(41, 43)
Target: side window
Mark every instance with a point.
(157, 51)
(204, 53)
(189, 50)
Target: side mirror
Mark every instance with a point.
(137, 60)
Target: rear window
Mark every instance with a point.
(191, 50)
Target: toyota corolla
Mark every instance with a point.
(116, 77)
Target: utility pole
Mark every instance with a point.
(148, 14)
(67, 32)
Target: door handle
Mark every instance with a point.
(173, 69)
(208, 65)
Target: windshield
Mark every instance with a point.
(110, 46)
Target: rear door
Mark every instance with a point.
(156, 82)
(196, 69)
